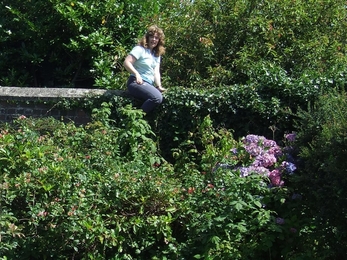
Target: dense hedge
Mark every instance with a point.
(69, 43)
(322, 138)
(225, 42)
(173, 184)
(267, 106)
(104, 192)
(113, 188)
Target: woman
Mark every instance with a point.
(143, 63)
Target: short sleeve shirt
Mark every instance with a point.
(145, 63)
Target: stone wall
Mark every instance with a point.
(42, 102)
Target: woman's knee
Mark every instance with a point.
(158, 99)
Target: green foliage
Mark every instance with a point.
(261, 107)
(221, 42)
(104, 192)
(322, 139)
(229, 217)
(74, 194)
(209, 43)
(123, 188)
(78, 43)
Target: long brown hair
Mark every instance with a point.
(159, 49)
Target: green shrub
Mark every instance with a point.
(70, 43)
(212, 43)
(209, 43)
(261, 108)
(235, 200)
(81, 192)
(322, 141)
(103, 191)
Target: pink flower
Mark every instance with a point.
(275, 172)
(275, 177)
(265, 160)
(276, 151)
(191, 190)
(269, 143)
(210, 185)
(253, 149)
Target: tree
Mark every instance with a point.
(225, 42)
(69, 42)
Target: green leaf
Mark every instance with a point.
(171, 209)
(238, 206)
(220, 219)
(258, 204)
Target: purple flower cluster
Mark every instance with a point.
(290, 137)
(266, 159)
(245, 171)
(289, 167)
(265, 156)
(275, 178)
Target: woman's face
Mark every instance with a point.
(153, 40)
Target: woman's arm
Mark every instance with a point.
(157, 78)
(128, 64)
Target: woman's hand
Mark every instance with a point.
(139, 79)
(161, 89)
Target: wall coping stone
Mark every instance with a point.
(40, 102)
(46, 94)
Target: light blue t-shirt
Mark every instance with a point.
(145, 63)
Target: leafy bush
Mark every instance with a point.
(70, 43)
(322, 141)
(262, 107)
(79, 192)
(215, 43)
(209, 43)
(103, 191)
(234, 196)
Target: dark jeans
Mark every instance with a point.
(151, 96)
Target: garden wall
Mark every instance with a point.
(42, 102)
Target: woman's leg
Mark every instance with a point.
(151, 95)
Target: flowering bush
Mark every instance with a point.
(93, 192)
(104, 192)
(258, 155)
(235, 209)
